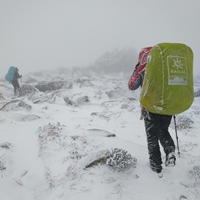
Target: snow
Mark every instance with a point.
(45, 147)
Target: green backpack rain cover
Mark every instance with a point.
(168, 82)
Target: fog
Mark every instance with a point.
(46, 34)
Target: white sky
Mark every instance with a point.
(44, 34)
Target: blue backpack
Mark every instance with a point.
(10, 75)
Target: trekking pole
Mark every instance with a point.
(176, 135)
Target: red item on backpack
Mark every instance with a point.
(142, 61)
(142, 58)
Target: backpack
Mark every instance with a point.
(10, 75)
(168, 82)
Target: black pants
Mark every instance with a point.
(16, 86)
(156, 126)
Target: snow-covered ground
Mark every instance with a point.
(49, 140)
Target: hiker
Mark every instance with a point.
(15, 82)
(156, 125)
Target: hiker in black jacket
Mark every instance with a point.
(15, 82)
(156, 125)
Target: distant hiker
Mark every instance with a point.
(156, 125)
(12, 77)
(15, 82)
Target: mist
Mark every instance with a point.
(39, 35)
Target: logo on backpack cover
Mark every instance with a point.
(177, 70)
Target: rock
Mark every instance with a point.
(55, 85)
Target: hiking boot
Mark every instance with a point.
(156, 168)
(170, 160)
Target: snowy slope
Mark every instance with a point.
(48, 139)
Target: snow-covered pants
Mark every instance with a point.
(156, 127)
